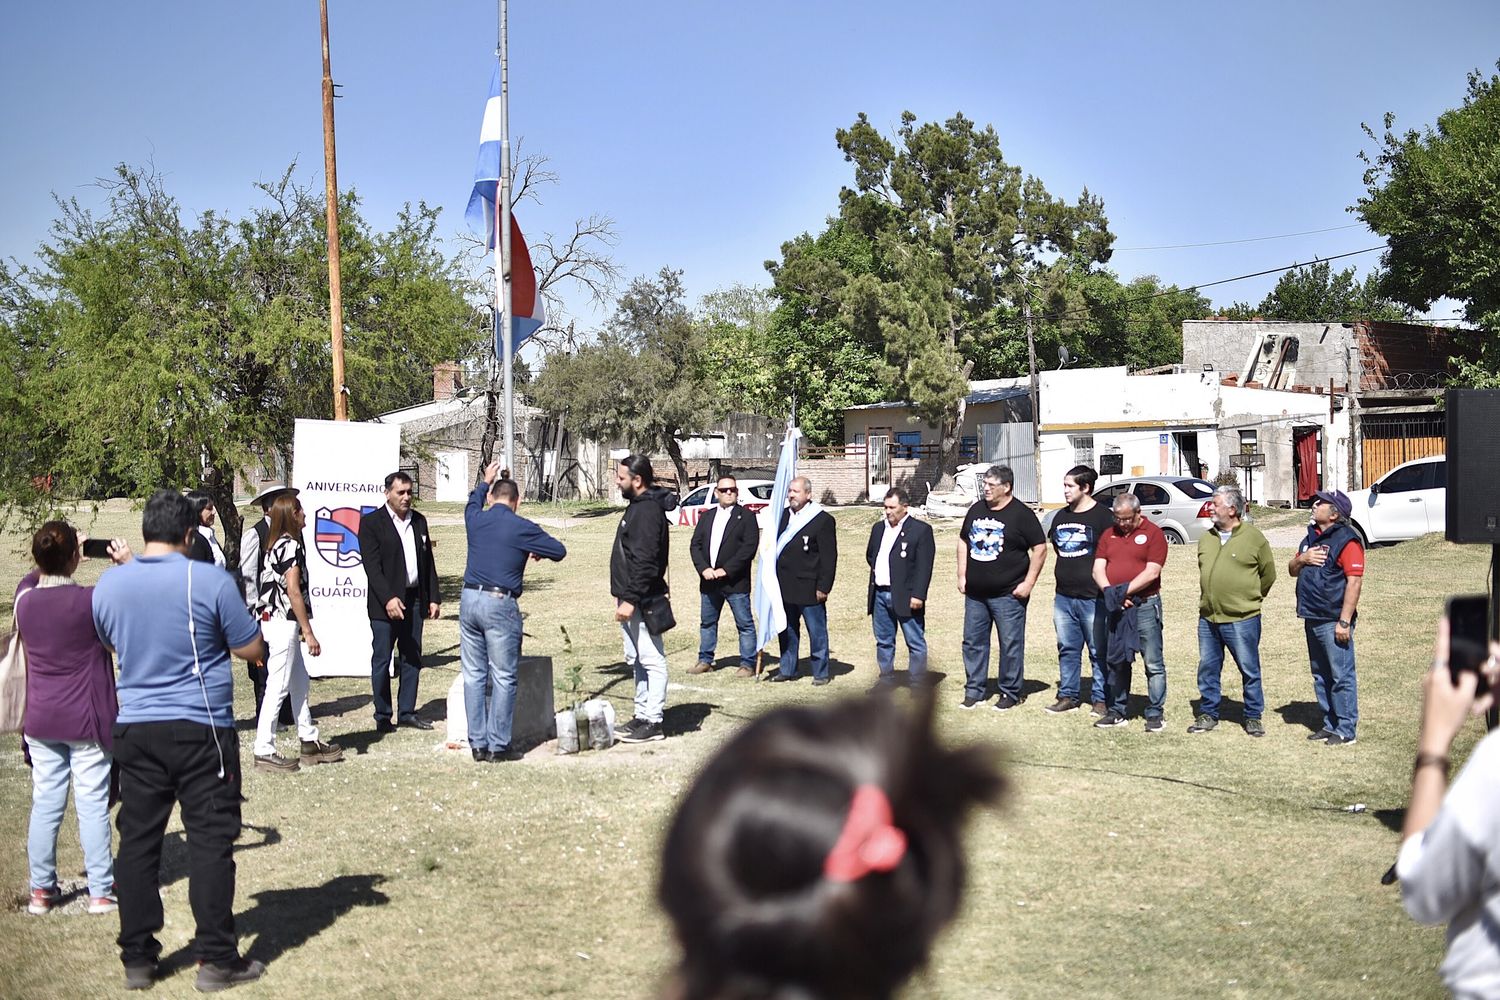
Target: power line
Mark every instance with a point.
(1251, 239)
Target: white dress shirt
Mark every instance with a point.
(716, 533)
(883, 559)
(408, 544)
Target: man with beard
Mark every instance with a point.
(637, 581)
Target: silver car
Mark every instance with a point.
(1181, 506)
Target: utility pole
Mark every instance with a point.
(1036, 412)
(330, 174)
(502, 245)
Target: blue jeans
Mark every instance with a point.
(489, 648)
(1079, 622)
(711, 605)
(52, 761)
(646, 654)
(1148, 625)
(913, 630)
(1242, 639)
(816, 616)
(1333, 677)
(406, 637)
(1008, 614)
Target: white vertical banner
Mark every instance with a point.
(340, 469)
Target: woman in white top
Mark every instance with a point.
(1449, 863)
(205, 546)
(286, 622)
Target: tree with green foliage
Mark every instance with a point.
(146, 350)
(646, 381)
(1316, 293)
(1100, 321)
(958, 250)
(1435, 196)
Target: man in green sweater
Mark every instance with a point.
(1235, 573)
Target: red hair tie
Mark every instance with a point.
(869, 842)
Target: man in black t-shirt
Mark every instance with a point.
(1001, 550)
(1075, 534)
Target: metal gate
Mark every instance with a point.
(1388, 439)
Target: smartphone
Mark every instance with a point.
(96, 548)
(1468, 636)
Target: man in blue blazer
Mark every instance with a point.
(900, 554)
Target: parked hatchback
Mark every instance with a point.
(1408, 501)
(754, 495)
(1180, 506)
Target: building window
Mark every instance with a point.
(907, 443)
(1083, 449)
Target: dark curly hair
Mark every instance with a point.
(743, 865)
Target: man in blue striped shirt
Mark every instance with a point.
(489, 615)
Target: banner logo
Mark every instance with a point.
(337, 535)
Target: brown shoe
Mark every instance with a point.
(700, 667)
(275, 762)
(318, 752)
(744, 672)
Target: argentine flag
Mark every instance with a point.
(483, 216)
(770, 612)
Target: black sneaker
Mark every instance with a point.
(1321, 736)
(642, 732)
(1112, 720)
(1203, 724)
(216, 976)
(1155, 726)
(1062, 705)
(1335, 740)
(969, 703)
(777, 677)
(1005, 702)
(820, 681)
(142, 976)
(1253, 727)
(621, 731)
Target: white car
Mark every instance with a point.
(755, 494)
(1407, 502)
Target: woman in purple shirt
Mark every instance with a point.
(70, 706)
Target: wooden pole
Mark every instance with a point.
(330, 174)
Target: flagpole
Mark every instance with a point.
(502, 245)
(330, 174)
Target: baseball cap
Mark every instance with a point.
(1338, 498)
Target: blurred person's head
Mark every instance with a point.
(168, 518)
(285, 516)
(55, 548)
(818, 853)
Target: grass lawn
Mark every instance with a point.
(1121, 865)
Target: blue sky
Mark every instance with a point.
(705, 129)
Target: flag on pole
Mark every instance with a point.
(770, 613)
(483, 216)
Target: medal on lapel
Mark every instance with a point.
(805, 540)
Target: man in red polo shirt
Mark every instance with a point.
(1131, 554)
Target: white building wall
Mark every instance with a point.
(1146, 419)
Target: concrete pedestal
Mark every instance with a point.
(534, 720)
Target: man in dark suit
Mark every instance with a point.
(723, 547)
(402, 589)
(900, 553)
(807, 556)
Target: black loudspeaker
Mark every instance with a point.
(1473, 502)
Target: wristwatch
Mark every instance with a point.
(1343, 624)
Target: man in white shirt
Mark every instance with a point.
(900, 553)
(723, 547)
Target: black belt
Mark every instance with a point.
(879, 587)
(501, 591)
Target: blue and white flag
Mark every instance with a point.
(770, 613)
(527, 309)
(482, 215)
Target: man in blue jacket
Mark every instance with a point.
(1330, 570)
(489, 612)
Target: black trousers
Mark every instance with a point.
(406, 638)
(177, 763)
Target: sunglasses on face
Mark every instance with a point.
(728, 489)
